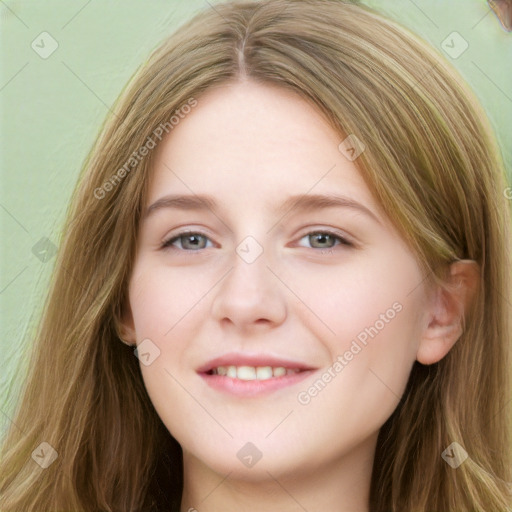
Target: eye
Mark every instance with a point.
(187, 241)
(192, 241)
(325, 240)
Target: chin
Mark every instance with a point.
(252, 461)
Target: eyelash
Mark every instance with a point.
(167, 244)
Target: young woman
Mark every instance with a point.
(297, 218)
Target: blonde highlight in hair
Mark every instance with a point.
(432, 162)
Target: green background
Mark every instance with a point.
(51, 110)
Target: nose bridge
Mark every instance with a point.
(250, 292)
(250, 277)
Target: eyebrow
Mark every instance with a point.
(304, 203)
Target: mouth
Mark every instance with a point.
(243, 375)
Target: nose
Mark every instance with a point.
(250, 296)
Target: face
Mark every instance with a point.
(289, 326)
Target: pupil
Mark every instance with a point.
(322, 238)
(192, 240)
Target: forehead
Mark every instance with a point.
(256, 142)
(239, 120)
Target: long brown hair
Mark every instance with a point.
(432, 162)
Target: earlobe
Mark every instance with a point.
(449, 306)
(125, 326)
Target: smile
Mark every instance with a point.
(245, 375)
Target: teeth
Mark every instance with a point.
(252, 372)
(222, 370)
(279, 372)
(264, 372)
(246, 373)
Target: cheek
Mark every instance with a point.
(373, 297)
(373, 349)
(368, 319)
(161, 297)
(168, 308)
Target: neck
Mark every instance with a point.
(341, 485)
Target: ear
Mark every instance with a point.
(125, 326)
(446, 308)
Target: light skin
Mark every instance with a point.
(250, 147)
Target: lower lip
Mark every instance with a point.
(241, 387)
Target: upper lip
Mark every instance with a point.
(236, 359)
